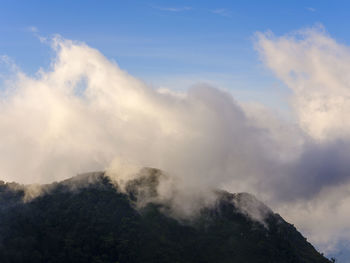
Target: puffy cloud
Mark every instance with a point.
(315, 191)
(84, 112)
(314, 67)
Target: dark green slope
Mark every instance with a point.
(97, 223)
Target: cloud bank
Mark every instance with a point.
(84, 113)
(316, 192)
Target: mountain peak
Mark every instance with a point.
(88, 218)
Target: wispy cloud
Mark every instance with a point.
(173, 9)
(311, 9)
(32, 29)
(221, 12)
(35, 31)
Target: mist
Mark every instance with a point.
(84, 113)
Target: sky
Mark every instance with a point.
(242, 95)
(189, 41)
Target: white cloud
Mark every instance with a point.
(315, 67)
(221, 12)
(311, 9)
(33, 29)
(173, 9)
(85, 111)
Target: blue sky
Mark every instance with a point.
(170, 43)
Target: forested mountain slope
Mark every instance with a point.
(87, 219)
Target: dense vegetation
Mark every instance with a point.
(98, 223)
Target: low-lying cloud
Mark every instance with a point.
(84, 113)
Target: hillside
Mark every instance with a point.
(87, 219)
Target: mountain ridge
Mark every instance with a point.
(88, 218)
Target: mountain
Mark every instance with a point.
(88, 219)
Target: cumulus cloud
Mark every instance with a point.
(84, 113)
(314, 66)
(315, 191)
